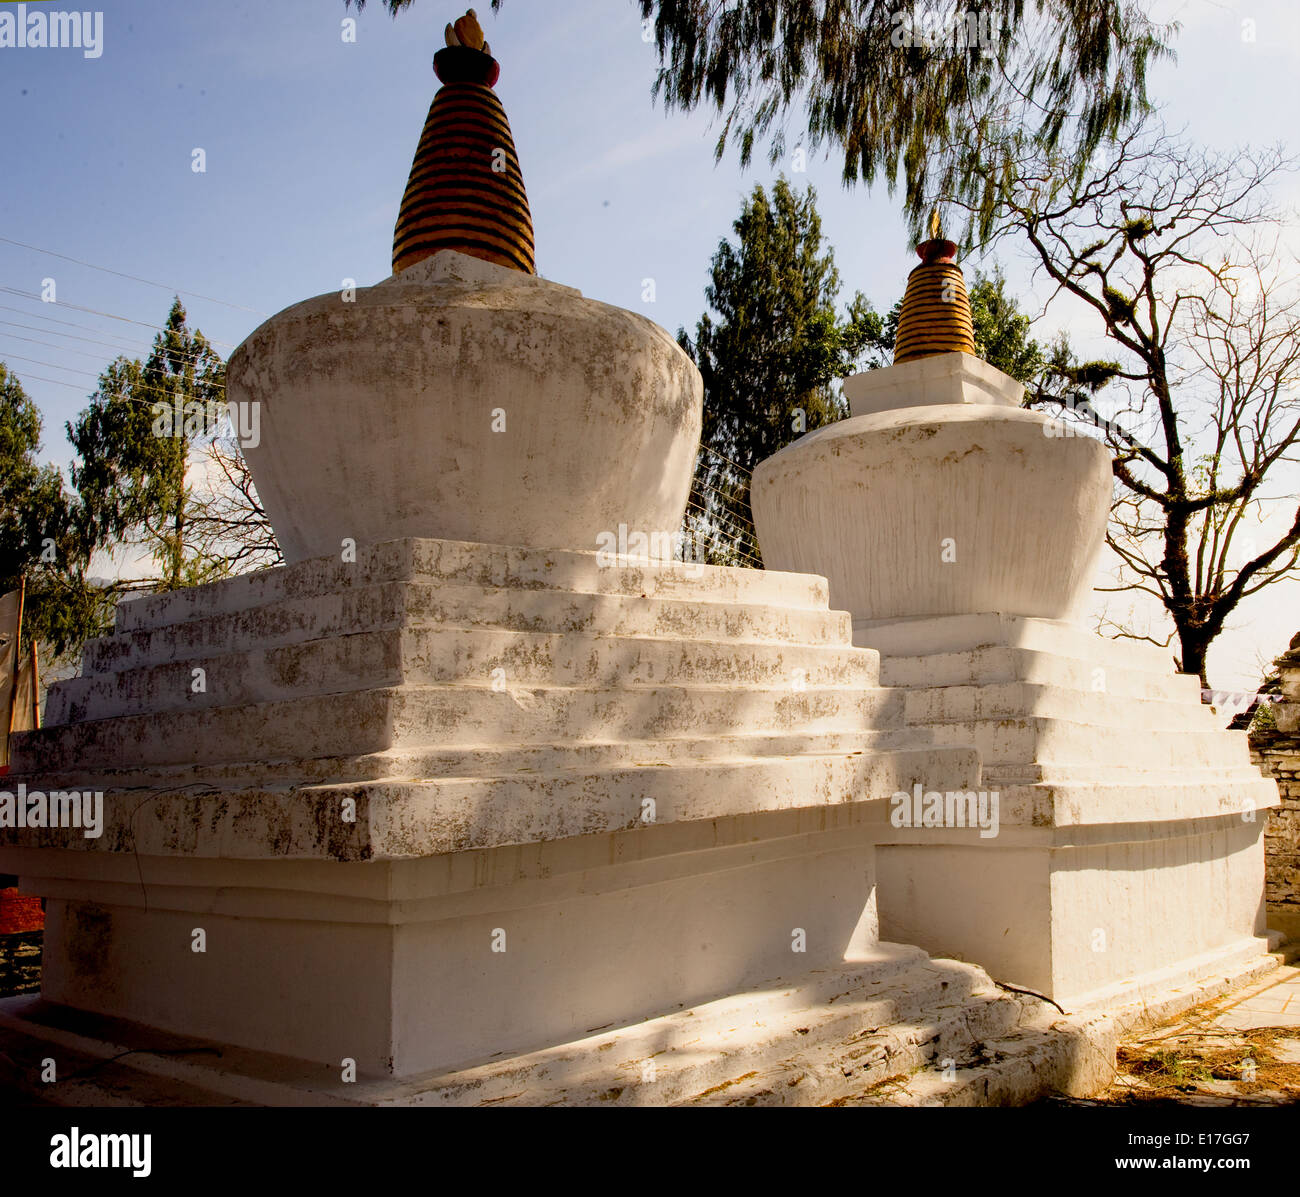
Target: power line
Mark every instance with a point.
(67, 323)
(192, 356)
(93, 312)
(729, 523)
(734, 464)
(117, 343)
(51, 344)
(734, 532)
(18, 357)
(726, 500)
(72, 386)
(135, 278)
(720, 523)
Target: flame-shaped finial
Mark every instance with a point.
(467, 32)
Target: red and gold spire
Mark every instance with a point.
(465, 191)
(936, 315)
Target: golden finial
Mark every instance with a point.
(935, 316)
(466, 32)
(465, 191)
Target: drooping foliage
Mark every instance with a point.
(938, 95)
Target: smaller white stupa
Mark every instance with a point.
(962, 532)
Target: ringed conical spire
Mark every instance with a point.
(936, 316)
(465, 190)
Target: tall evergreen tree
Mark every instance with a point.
(134, 444)
(32, 504)
(1002, 331)
(39, 537)
(768, 352)
(136, 483)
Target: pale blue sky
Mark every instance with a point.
(309, 141)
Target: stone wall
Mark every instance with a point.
(1277, 752)
(1278, 755)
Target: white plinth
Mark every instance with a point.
(943, 378)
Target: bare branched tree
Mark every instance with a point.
(1176, 250)
(229, 525)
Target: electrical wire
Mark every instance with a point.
(135, 278)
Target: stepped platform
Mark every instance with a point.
(1129, 819)
(452, 799)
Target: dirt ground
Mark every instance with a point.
(1242, 1049)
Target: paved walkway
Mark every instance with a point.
(1240, 1049)
(1273, 1002)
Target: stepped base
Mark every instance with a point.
(1128, 839)
(454, 799)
